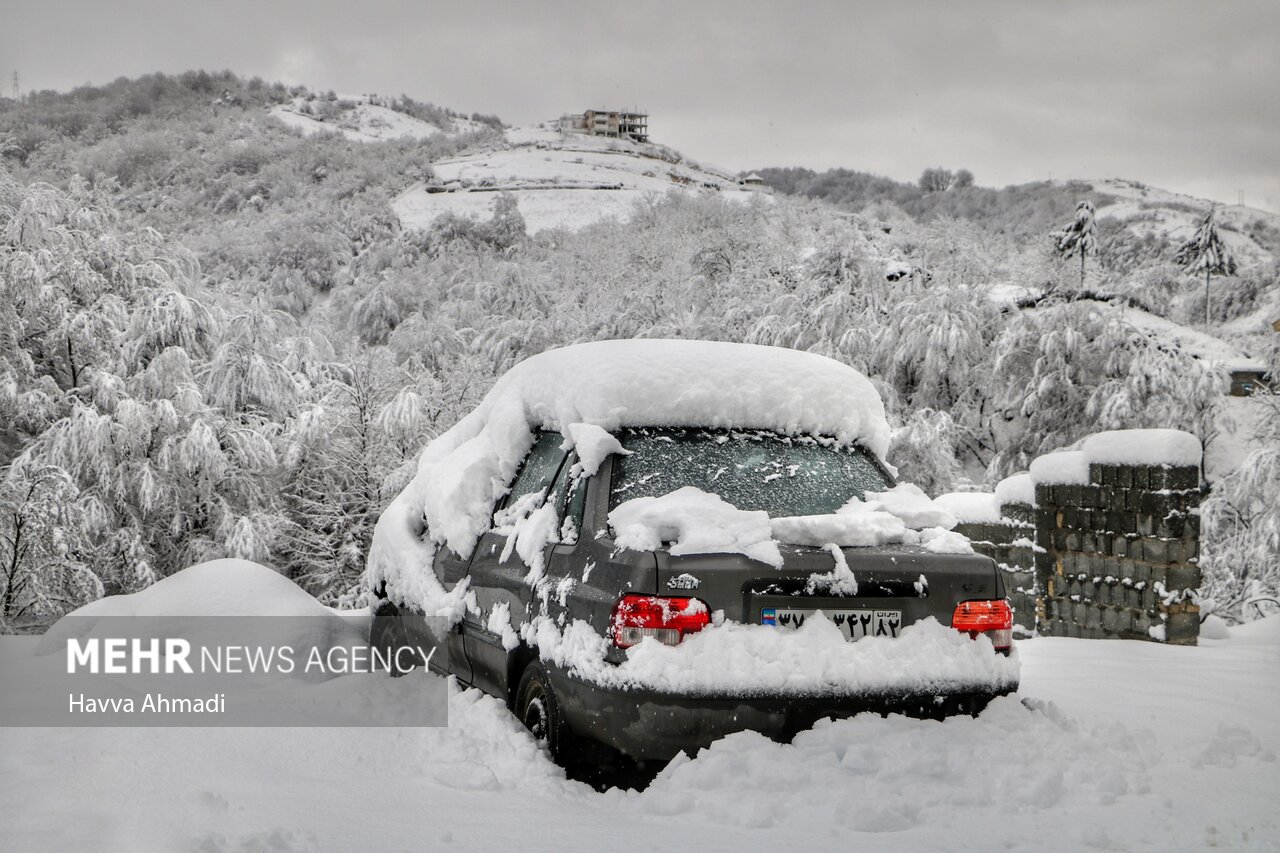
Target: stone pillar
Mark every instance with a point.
(1120, 555)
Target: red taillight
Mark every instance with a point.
(667, 620)
(993, 618)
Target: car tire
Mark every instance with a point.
(538, 708)
(387, 634)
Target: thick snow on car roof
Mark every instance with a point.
(613, 384)
(678, 383)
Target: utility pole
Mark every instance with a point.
(17, 79)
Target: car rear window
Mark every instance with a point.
(753, 470)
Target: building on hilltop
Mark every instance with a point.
(755, 183)
(618, 124)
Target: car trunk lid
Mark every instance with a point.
(896, 585)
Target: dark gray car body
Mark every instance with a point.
(646, 724)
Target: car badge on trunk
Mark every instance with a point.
(683, 581)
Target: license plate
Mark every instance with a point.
(855, 624)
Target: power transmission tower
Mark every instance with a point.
(17, 79)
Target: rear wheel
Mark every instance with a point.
(584, 759)
(387, 636)
(539, 709)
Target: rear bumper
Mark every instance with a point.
(649, 725)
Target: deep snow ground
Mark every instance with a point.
(1134, 746)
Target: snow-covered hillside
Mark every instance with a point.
(1175, 216)
(561, 180)
(363, 118)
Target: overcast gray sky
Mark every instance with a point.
(1178, 94)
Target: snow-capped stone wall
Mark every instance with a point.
(1118, 548)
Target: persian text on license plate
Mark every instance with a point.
(855, 624)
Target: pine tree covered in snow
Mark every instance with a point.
(1079, 237)
(1206, 252)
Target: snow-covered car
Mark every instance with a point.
(652, 544)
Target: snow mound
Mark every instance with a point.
(1214, 627)
(700, 523)
(855, 530)
(939, 541)
(593, 446)
(882, 518)
(694, 522)
(907, 502)
(610, 384)
(1143, 447)
(971, 507)
(218, 588)
(839, 581)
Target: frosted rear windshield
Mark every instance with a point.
(752, 470)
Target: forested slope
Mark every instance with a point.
(218, 339)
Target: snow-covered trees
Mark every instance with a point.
(345, 454)
(507, 226)
(1073, 368)
(1206, 252)
(268, 401)
(925, 452)
(935, 180)
(1240, 520)
(1079, 237)
(43, 529)
(70, 282)
(934, 350)
(1241, 534)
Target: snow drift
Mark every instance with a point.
(218, 588)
